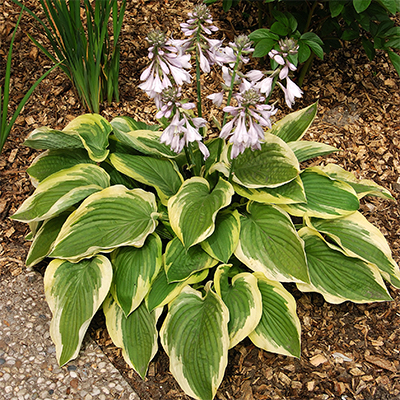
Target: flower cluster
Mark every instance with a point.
(209, 51)
(250, 115)
(166, 64)
(287, 48)
(183, 129)
(281, 57)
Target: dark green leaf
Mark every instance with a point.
(311, 36)
(260, 34)
(349, 34)
(368, 47)
(391, 5)
(292, 22)
(304, 52)
(392, 31)
(280, 17)
(395, 59)
(316, 48)
(361, 5)
(393, 42)
(280, 29)
(263, 47)
(384, 28)
(335, 7)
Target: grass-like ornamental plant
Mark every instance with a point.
(164, 228)
(5, 124)
(86, 50)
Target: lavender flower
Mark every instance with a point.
(199, 19)
(167, 64)
(249, 117)
(217, 98)
(291, 91)
(264, 85)
(183, 129)
(287, 47)
(197, 26)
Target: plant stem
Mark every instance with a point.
(228, 101)
(310, 15)
(305, 68)
(188, 156)
(198, 85)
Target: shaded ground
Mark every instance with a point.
(348, 351)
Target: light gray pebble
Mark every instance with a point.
(119, 388)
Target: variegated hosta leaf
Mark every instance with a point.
(292, 192)
(74, 293)
(115, 146)
(339, 277)
(305, 150)
(144, 140)
(137, 334)
(44, 239)
(61, 190)
(128, 124)
(326, 197)
(269, 243)
(195, 337)
(279, 329)
(193, 209)
(359, 238)
(108, 219)
(223, 242)
(294, 126)
(93, 130)
(116, 178)
(180, 263)
(243, 300)
(134, 271)
(272, 166)
(52, 139)
(34, 226)
(162, 174)
(162, 292)
(363, 187)
(52, 161)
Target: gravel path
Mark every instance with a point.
(28, 366)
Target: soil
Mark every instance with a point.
(349, 351)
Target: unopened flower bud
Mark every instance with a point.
(288, 45)
(242, 43)
(251, 97)
(201, 12)
(156, 38)
(171, 94)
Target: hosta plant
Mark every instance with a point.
(189, 241)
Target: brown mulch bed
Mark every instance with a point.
(349, 351)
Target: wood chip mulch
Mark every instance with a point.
(349, 351)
